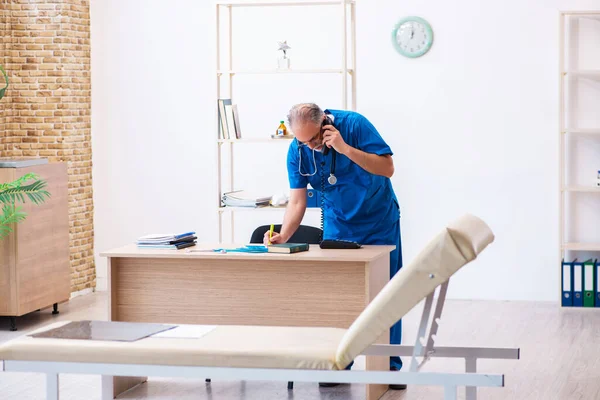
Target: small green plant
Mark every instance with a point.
(17, 191)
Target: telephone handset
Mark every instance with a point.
(332, 179)
(326, 121)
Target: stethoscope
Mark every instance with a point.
(332, 179)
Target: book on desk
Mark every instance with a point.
(287, 247)
(167, 241)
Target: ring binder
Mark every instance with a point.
(567, 284)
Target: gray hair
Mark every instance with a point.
(305, 112)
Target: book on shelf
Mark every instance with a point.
(236, 120)
(244, 198)
(287, 247)
(167, 240)
(229, 120)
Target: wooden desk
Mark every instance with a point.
(315, 288)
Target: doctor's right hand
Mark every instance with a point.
(276, 238)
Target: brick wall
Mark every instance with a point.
(4, 45)
(47, 112)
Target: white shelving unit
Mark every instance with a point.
(579, 37)
(347, 70)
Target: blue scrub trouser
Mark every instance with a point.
(395, 265)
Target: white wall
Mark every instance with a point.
(473, 123)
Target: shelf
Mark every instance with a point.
(242, 3)
(270, 208)
(574, 233)
(582, 13)
(344, 69)
(255, 140)
(593, 15)
(583, 131)
(589, 189)
(591, 73)
(275, 71)
(582, 246)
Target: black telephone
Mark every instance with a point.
(326, 121)
(331, 243)
(339, 244)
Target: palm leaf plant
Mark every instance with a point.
(17, 192)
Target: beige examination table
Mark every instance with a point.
(291, 353)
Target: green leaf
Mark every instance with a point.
(10, 215)
(34, 191)
(19, 191)
(5, 230)
(19, 182)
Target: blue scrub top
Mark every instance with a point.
(361, 206)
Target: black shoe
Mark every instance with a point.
(328, 384)
(397, 386)
(332, 384)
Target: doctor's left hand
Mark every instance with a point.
(333, 138)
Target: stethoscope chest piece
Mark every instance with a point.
(332, 179)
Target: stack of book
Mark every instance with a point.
(242, 198)
(167, 241)
(229, 120)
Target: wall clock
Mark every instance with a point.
(412, 36)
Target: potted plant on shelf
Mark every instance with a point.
(17, 191)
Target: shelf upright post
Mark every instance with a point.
(353, 46)
(219, 143)
(230, 46)
(561, 175)
(344, 57)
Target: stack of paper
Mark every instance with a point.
(167, 240)
(242, 198)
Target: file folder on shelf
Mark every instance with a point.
(567, 284)
(577, 283)
(588, 283)
(597, 267)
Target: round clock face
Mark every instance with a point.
(412, 37)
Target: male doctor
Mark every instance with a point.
(359, 202)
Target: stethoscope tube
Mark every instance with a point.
(332, 178)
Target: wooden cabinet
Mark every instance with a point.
(34, 258)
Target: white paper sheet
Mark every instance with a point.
(186, 332)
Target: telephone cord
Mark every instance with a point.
(322, 199)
